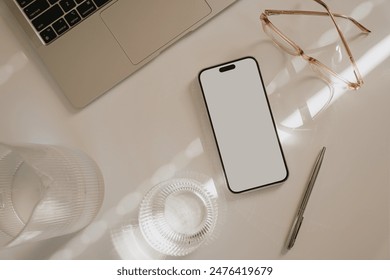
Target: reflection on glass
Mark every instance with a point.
(130, 244)
(177, 216)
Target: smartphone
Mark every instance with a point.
(243, 125)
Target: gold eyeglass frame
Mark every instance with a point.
(299, 51)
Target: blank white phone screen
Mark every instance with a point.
(243, 125)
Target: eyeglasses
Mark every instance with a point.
(292, 48)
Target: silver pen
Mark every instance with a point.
(299, 217)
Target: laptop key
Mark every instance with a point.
(86, 8)
(48, 34)
(67, 5)
(24, 3)
(47, 17)
(72, 17)
(60, 26)
(36, 8)
(100, 3)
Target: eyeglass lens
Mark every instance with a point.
(279, 40)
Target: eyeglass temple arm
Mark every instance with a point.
(315, 13)
(356, 70)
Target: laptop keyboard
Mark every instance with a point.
(52, 18)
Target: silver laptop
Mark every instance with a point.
(91, 45)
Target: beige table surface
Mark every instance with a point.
(154, 126)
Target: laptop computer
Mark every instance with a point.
(89, 46)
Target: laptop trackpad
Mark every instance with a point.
(143, 26)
